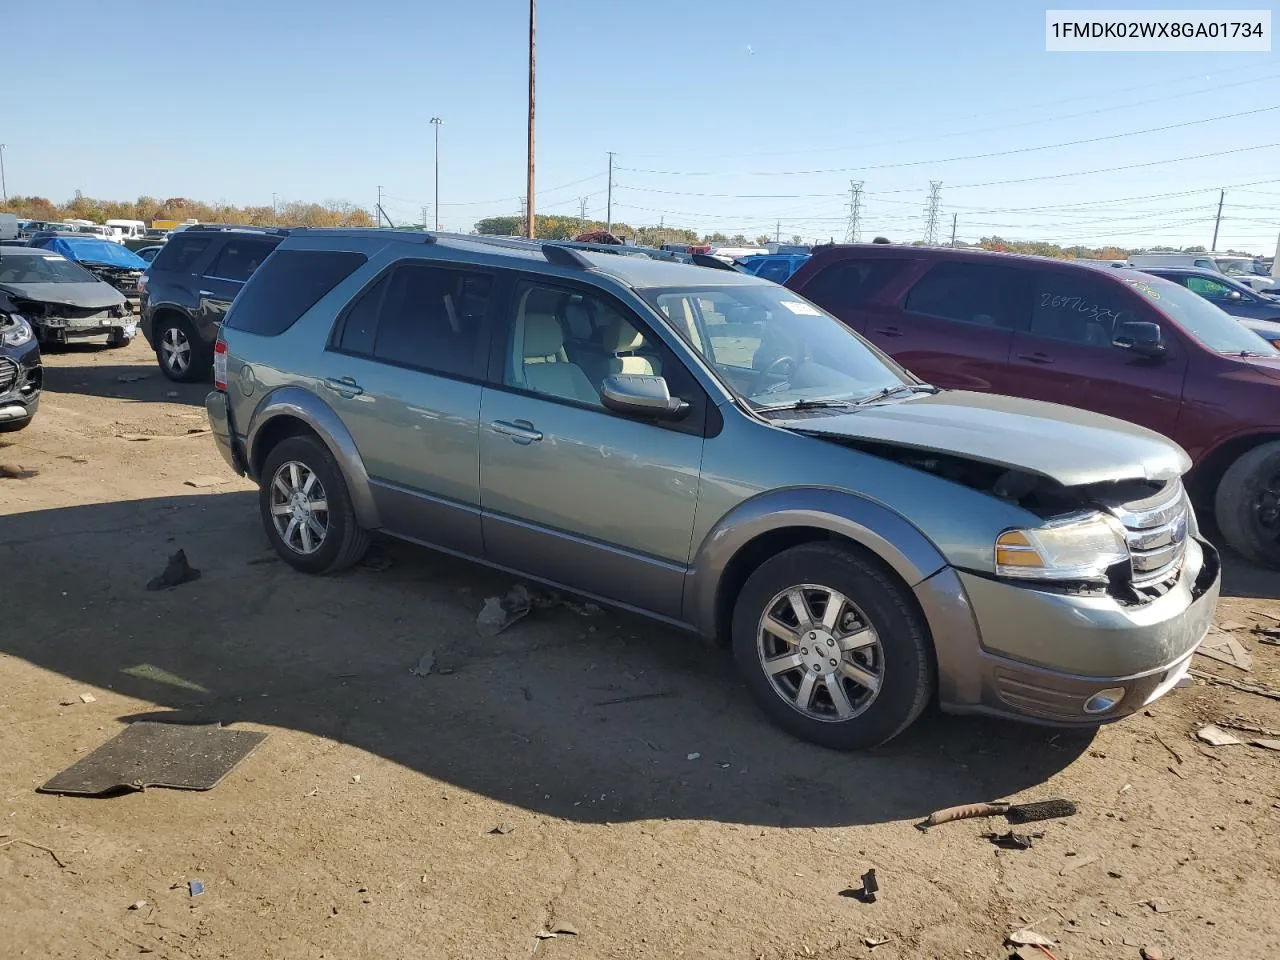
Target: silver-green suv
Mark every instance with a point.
(712, 450)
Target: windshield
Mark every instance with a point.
(771, 347)
(1200, 319)
(42, 268)
(1234, 266)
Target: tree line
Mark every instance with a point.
(332, 213)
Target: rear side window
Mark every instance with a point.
(1077, 307)
(181, 252)
(240, 258)
(849, 283)
(291, 285)
(422, 316)
(976, 293)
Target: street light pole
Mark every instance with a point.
(530, 230)
(435, 122)
(4, 189)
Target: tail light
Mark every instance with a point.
(220, 364)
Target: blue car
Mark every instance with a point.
(777, 267)
(110, 262)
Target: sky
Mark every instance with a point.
(743, 116)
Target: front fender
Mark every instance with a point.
(299, 404)
(885, 533)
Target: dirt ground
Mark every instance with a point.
(678, 825)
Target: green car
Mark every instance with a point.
(712, 450)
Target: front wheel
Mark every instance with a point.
(182, 355)
(832, 648)
(307, 510)
(1247, 505)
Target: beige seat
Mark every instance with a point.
(544, 366)
(622, 340)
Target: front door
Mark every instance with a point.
(1066, 355)
(403, 372)
(955, 325)
(573, 493)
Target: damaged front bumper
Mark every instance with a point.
(1034, 654)
(21, 379)
(56, 329)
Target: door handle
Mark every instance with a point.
(205, 293)
(521, 431)
(888, 331)
(346, 387)
(1035, 357)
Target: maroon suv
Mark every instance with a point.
(1118, 342)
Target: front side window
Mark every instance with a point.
(1200, 319)
(240, 258)
(1078, 308)
(773, 349)
(565, 342)
(1211, 289)
(975, 293)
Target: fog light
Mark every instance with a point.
(1104, 700)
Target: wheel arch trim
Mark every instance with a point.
(885, 533)
(303, 406)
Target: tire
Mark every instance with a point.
(1247, 505)
(900, 662)
(173, 332)
(343, 542)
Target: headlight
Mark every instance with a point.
(1077, 548)
(17, 332)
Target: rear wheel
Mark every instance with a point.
(1247, 505)
(831, 647)
(182, 355)
(307, 510)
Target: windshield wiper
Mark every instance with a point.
(805, 405)
(897, 388)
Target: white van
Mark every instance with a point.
(127, 229)
(8, 226)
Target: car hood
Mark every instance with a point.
(96, 295)
(1070, 446)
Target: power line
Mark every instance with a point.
(971, 156)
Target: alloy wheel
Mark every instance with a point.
(820, 653)
(299, 508)
(176, 349)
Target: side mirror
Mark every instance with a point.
(1140, 338)
(1234, 295)
(641, 395)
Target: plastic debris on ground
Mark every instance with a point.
(1215, 736)
(195, 888)
(176, 572)
(426, 663)
(498, 613)
(1225, 648)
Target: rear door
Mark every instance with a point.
(1066, 355)
(227, 272)
(955, 325)
(403, 372)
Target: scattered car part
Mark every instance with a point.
(1014, 812)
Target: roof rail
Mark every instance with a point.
(275, 231)
(706, 260)
(565, 257)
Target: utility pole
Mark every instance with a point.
(379, 208)
(275, 204)
(4, 187)
(608, 206)
(424, 217)
(955, 218)
(1222, 195)
(532, 231)
(435, 122)
(582, 214)
(777, 232)
(931, 213)
(854, 232)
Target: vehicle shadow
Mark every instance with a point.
(97, 377)
(1240, 578)
(596, 718)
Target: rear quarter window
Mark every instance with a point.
(849, 283)
(289, 284)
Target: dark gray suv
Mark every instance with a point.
(713, 450)
(187, 289)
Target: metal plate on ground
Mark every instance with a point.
(146, 754)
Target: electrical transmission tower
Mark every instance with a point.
(854, 232)
(582, 214)
(931, 213)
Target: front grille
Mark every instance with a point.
(8, 374)
(1156, 531)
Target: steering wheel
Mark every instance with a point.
(784, 367)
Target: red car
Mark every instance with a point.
(1117, 342)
